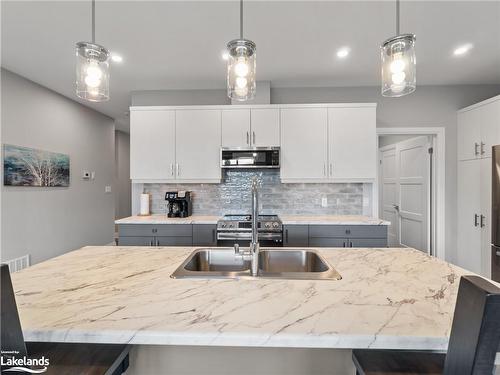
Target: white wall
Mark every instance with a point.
(122, 175)
(46, 222)
(386, 140)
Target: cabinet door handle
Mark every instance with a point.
(476, 146)
(157, 242)
(178, 170)
(286, 236)
(171, 169)
(476, 217)
(482, 224)
(350, 243)
(324, 169)
(248, 138)
(151, 243)
(482, 148)
(331, 169)
(253, 134)
(213, 235)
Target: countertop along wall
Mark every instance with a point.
(46, 222)
(428, 106)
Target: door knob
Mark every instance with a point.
(396, 207)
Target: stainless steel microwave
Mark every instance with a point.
(256, 157)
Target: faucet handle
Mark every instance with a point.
(236, 248)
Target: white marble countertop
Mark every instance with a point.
(387, 298)
(332, 220)
(287, 219)
(164, 219)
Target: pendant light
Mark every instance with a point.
(398, 63)
(241, 64)
(92, 68)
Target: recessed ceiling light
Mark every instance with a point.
(225, 55)
(343, 52)
(462, 50)
(116, 58)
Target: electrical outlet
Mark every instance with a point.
(86, 175)
(92, 175)
(324, 202)
(107, 189)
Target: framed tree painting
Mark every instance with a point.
(23, 166)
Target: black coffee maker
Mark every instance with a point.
(179, 203)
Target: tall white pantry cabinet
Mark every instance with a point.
(478, 131)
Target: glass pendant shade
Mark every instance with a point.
(241, 64)
(398, 66)
(92, 72)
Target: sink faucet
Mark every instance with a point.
(253, 252)
(254, 244)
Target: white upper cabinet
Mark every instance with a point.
(478, 129)
(304, 151)
(236, 128)
(198, 140)
(490, 128)
(152, 145)
(352, 143)
(469, 134)
(265, 127)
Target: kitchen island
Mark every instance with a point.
(387, 298)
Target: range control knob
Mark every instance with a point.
(267, 225)
(275, 225)
(224, 225)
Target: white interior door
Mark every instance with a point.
(405, 192)
(389, 193)
(414, 177)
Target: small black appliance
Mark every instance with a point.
(179, 203)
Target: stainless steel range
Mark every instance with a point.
(233, 229)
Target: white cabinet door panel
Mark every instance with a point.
(469, 198)
(304, 151)
(352, 143)
(485, 220)
(469, 134)
(236, 128)
(152, 145)
(490, 127)
(198, 139)
(265, 127)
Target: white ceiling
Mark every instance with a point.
(174, 45)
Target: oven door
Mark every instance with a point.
(258, 157)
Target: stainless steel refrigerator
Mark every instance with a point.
(495, 216)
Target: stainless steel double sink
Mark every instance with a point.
(302, 264)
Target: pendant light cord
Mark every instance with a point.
(93, 21)
(397, 17)
(241, 19)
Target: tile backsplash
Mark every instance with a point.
(233, 195)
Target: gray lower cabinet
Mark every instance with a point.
(296, 235)
(204, 235)
(327, 242)
(135, 241)
(348, 236)
(155, 235)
